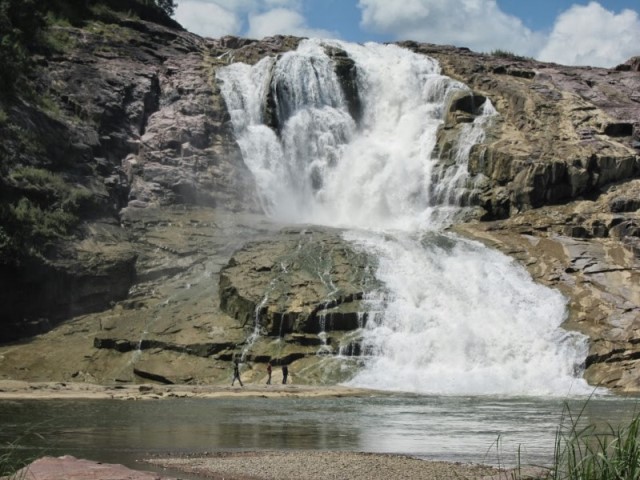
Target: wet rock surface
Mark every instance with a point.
(303, 281)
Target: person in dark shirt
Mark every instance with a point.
(236, 373)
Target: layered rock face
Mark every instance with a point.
(563, 133)
(182, 274)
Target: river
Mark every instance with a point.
(481, 429)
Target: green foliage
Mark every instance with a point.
(21, 22)
(587, 453)
(42, 224)
(167, 6)
(28, 141)
(39, 179)
(27, 26)
(9, 463)
(584, 453)
(507, 54)
(12, 456)
(111, 31)
(47, 209)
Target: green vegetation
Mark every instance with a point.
(26, 28)
(587, 454)
(47, 209)
(110, 31)
(11, 462)
(508, 55)
(21, 22)
(42, 200)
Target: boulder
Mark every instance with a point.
(71, 468)
(302, 281)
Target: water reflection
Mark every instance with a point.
(469, 429)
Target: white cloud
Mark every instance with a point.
(251, 18)
(207, 18)
(477, 24)
(295, 4)
(282, 21)
(591, 35)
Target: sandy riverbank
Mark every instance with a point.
(14, 389)
(318, 465)
(271, 465)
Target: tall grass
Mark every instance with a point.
(588, 452)
(584, 453)
(10, 465)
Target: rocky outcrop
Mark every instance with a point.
(347, 74)
(562, 133)
(187, 152)
(302, 281)
(71, 468)
(178, 325)
(631, 65)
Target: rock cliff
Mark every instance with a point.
(171, 263)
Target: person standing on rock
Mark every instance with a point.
(269, 373)
(236, 373)
(285, 374)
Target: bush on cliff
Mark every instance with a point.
(44, 209)
(42, 197)
(23, 23)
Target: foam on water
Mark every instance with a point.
(454, 317)
(458, 318)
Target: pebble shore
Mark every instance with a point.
(314, 465)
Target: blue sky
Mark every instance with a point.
(599, 33)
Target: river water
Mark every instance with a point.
(481, 429)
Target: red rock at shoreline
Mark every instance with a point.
(71, 468)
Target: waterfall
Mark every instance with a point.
(454, 316)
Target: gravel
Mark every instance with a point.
(314, 465)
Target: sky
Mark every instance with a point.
(601, 33)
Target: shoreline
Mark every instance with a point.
(23, 390)
(316, 464)
(271, 465)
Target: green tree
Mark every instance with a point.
(21, 22)
(168, 6)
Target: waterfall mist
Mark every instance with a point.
(454, 316)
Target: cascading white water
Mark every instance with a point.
(459, 318)
(455, 317)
